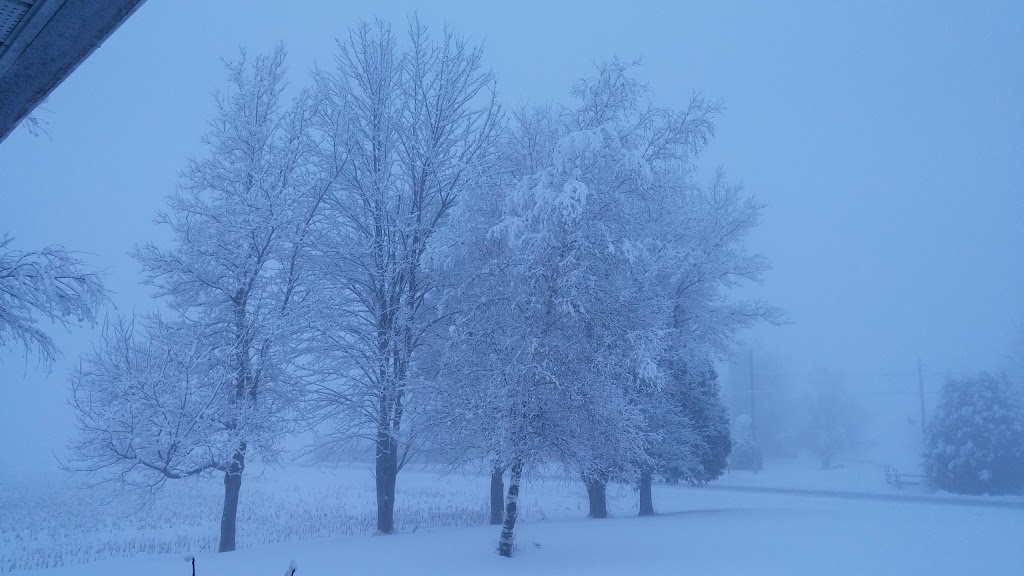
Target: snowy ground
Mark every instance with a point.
(698, 532)
(49, 523)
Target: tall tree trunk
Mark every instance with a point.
(245, 390)
(646, 500)
(232, 487)
(597, 493)
(386, 473)
(511, 510)
(497, 494)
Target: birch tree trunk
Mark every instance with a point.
(511, 510)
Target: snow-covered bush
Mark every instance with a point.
(975, 440)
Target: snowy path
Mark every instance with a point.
(701, 532)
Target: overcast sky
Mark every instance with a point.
(887, 139)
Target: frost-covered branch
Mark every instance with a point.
(51, 284)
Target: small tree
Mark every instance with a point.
(49, 284)
(833, 421)
(746, 453)
(975, 440)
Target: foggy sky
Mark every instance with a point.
(887, 139)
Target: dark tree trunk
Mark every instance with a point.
(232, 486)
(597, 492)
(497, 494)
(245, 389)
(511, 509)
(386, 473)
(646, 501)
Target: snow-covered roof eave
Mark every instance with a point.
(41, 44)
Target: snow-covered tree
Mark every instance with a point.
(577, 236)
(693, 252)
(538, 375)
(704, 258)
(51, 284)
(234, 282)
(416, 121)
(832, 423)
(975, 439)
(746, 453)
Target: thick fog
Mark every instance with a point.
(886, 140)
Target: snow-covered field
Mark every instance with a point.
(50, 523)
(322, 521)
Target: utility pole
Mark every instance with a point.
(920, 392)
(753, 403)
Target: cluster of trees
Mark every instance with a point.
(390, 259)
